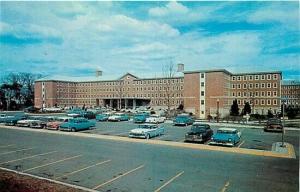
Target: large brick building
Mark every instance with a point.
(204, 92)
(290, 92)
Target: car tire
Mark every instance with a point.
(73, 130)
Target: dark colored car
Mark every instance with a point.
(199, 133)
(273, 124)
(31, 109)
(89, 115)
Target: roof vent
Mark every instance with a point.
(98, 73)
(180, 67)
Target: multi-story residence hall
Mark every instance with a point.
(290, 93)
(203, 92)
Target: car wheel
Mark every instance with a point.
(148, 136)
(73, 129)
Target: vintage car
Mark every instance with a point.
(183, 119)
(119, 117)
(76, 112)
(140, 117)
(199, 133)
(56, 123)
(273, 124)
(146, 131)
(76, 124)
(52, 109)
(3, 117)
(12, 120)
(102, 116)
(154, 118)
(226, 136)
(31, 123)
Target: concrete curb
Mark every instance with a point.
(288, 149)
(50, 180)
(164, 143)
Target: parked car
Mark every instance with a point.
(199, 133)
(274, 124)
(12, 120)
(119, 117)
(102, 116)
(77, 112)
(140, 117)
(55, 124)
(89, 115)
(183, 119)
(53, 109)
(33, 123)
(146, 131)
(31, 109)
(226, 136)
(3, 117)
(76, 124)
(154, 118)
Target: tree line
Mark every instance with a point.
(290, 111)
(17, 90)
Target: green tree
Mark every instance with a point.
(234, 110)
(247, 109)
(270, 114)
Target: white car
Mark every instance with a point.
(146, 131)
(155, 119)
(31, 123)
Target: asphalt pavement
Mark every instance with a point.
(105, 165)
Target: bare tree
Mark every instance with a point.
(169, 72)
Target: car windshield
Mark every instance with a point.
(147, 126)
(274, 121)
(182, 117)
(198, 128)
(227, 131)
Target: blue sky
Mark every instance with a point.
(76, 38)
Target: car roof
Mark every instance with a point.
(149, 124)
(227, 129)
(199, 123)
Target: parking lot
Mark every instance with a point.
(252, 138)
(123, 166)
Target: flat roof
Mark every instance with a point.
(208, 71)
(258, 73)
(86, 79)
(290, 82)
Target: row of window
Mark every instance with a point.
(173, 88)
(254, 77)
(259, 102)
(137, 82)
(255, 85)
(124, 95)
(255, 94)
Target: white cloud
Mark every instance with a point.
(287, 14)
(171, 8)
(29, 30)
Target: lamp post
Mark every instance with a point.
(218, 101)
(283, 106)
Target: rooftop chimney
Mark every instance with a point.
(98, 73)
(180, 67)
